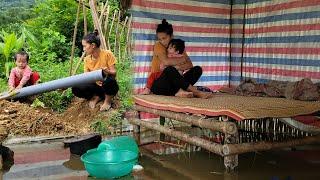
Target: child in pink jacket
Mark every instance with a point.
(22, 75)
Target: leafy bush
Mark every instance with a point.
(125, 80)
(49, 70)
(108, 127)
(56, 100)
(3, 85)
(53, 24)
(52, 47)
(10, 44)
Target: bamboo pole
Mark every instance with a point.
(83, 3)
(125, 39)
(117, 34)
(127, 25)
(102, 11)
(225, 127)
(106, 22)
(78, 64)
(121, 32)
(231, 149)
(128, 41)
(111, 26)
(97, 24)
(85, 24)
(208, 145)
(74, 37)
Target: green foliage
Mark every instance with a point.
(10, 44)
(3, 85)
(56, 100)
(53, 23)
(37, 103)
(14, 12)
(8, 66)
(125, 81)
(100, 126)
(53, 47)
(56, 15)
(49, 70)
(107, 127)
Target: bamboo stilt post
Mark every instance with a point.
(78, 64)
(106, 22)
(206, 144)
(85, 24)
(96, 23)
(111, 26)
(74, 37)
(230, 149)
(225, 127)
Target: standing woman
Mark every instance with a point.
(98, 59)
(171, 80)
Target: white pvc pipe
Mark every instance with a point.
(63, 83)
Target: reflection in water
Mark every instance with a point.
(7, 158)
(175, 161)
(74, 163)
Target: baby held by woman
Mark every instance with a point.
(176, 47)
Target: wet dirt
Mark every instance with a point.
(20, 119)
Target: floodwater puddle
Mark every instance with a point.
(168, 160)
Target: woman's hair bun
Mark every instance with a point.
(96, 32)
(164, 22)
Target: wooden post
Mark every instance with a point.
(225, 127)
(116, 43)
(111, 26)
(74, 37)
(230, 161)
(85, 24)
(128, 41)
(230, 149)
(121, 32)
(106, 30)
(97, 24)
(102, 12)
(78, 64)
(206, 144)
(162, 121)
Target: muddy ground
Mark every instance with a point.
(20, 119)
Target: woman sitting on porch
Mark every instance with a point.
(171, 80)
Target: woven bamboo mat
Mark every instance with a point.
(237, 107)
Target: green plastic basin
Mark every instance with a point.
(109, 163)
(119, 142)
